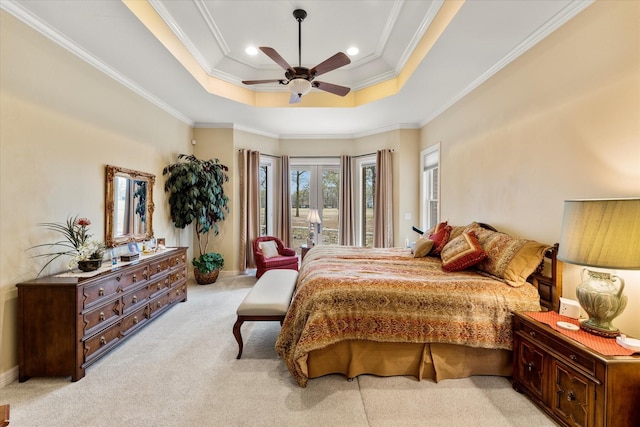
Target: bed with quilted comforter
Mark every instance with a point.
(386, 312)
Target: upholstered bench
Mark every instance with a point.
(268, 300)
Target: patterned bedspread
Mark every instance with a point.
(387, 295)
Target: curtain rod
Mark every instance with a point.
(320, 157)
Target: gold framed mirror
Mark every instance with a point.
(128, 206)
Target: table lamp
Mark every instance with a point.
(313, 218)
(604, 234)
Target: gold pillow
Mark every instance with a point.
(422, 247)
(508, 257)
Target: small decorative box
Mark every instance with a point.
(129, 257)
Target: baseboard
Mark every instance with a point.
(9, 376)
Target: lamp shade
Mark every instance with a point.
(300, 86)
(313, 216)
(601, 233)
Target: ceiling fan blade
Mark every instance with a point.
(330, 87)
(336, 61)
(295, 98)
(275, 56)
(257, 82)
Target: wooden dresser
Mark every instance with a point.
(574, 384)
(67, 323)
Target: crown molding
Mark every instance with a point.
(568, 12)
(14, 8)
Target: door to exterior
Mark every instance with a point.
(315, 187)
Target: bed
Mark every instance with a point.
(387, 312)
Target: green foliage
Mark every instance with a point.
(196, 194)
(208, 262)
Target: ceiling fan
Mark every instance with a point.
(300, 79)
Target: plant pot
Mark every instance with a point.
(90, 264)
(206, 278)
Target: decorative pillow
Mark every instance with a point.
(440, 238)
(422, 247)
(509, 258)
(457, 230)
(269, 249)
(462, 252)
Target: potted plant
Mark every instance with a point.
(196, 194)
(85, 253)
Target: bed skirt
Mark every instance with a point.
(423, 361)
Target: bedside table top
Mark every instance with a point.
(604, 346)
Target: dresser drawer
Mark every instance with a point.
(178, 259)
(557, 346)
(178, 292)
(133, 276)
(178, 275)
(100, 291)
(134, 320)
(134, 299)
(159, 286)
(101, 342)
(100, 316)
(158, 305)
(158, 267)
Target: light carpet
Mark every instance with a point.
(181, 370)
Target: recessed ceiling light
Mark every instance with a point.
(353, 51)
(251, 50)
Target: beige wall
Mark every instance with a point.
(560, 122)
(62, 122)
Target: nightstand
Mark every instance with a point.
(303, 251)
(573, 384)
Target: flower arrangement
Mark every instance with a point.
(77, 242)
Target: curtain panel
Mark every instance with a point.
(249, 206)
(383, 201)
(283, 222)
(346, 219)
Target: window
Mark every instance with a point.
(366, 167)
(266, 196)
(430, 186)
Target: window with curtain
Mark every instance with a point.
(266, 196)
(430, 183)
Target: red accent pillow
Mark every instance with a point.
(440, 238)
(462, 252)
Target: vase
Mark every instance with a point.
(89, 264)
(206, 278)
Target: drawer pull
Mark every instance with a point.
(159, 286)
(134, 278)
(178, 292)
(158, 304)
(573, 357)
(135, 320)
(118, 278)
(101, 292)
(159, 268)
(101, 316)
(134, 299)
(533, 334)
(571, 396)
(103, 340)
(531, 366)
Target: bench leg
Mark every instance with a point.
(238, 335)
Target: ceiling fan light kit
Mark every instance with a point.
(301, 79)
(300, 86)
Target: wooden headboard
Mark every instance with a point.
(548, 280)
